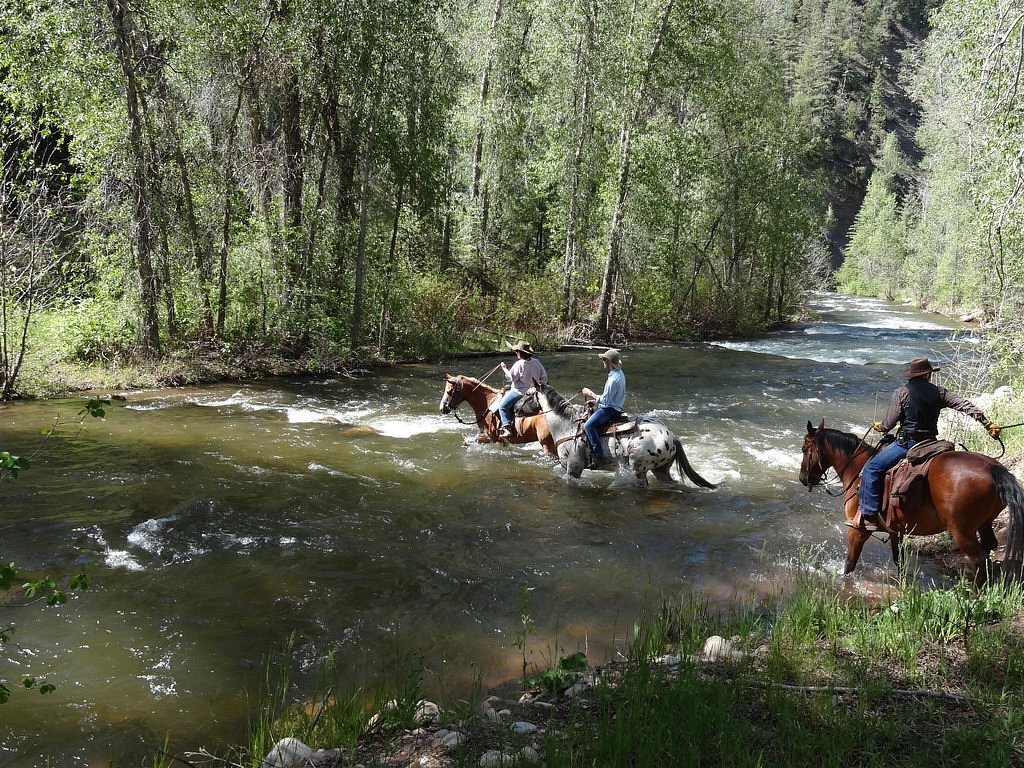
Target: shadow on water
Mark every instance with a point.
(217, 522)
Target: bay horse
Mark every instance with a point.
(649, 447)
(482, 398)
(965, 493)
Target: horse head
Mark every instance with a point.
(813, 466)
(452, 396)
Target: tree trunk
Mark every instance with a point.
(149, 336)
(485, 84)
(225, 237)
(630, 120)
(389, 269)
(292, 179)
(571, 260)
(356, 336)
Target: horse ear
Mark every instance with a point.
(822, 425)
(810, 427)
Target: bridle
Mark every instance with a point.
(822, 470)
(453, 398)
(817, 472)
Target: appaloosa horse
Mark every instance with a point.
(649, 447)
(482, 398)
(965, 492)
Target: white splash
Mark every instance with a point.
(410, 427)
(773, 457)
(316, 415)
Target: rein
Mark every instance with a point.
(490, 372)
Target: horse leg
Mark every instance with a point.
(855, 540)
(972, 549)
(987, 537)
(664, 476)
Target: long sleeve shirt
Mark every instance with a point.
(614, 394)
(522, 373)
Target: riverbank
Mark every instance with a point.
(822, 676)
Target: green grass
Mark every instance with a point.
(934, 678)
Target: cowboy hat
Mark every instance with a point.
(522, 346)
(919, 366)
(612, 356)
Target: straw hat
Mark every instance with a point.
(522, 346)
(613, 357)
(919, 366)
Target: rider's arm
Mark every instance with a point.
(963, 405)
(895, 410)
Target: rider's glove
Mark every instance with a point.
(993, 429)
(877, 426)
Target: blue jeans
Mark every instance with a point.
(872, 477)
(506, 405)
(595, 425)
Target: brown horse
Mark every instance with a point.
(482, 398)
(965, 492)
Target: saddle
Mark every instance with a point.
(905, 486)
(620, 426)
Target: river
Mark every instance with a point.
(218, 522)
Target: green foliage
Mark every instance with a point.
(525, 629)
(457, 167)
(12, 464)
(952, 240)
(564, 675)
(93, 330)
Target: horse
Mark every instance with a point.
(482, 398)
(965, 492)
(649, 447)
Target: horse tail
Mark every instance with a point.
(1012, 494)
(684, 464)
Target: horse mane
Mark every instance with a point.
(844, 443)
(475, 382)
(559, 404)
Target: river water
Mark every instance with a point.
(217, 522)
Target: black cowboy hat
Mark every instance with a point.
(919, 366)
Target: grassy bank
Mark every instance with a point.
(926, 677)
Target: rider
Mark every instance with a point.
(607, 405)
(916, 407)
(520, 376)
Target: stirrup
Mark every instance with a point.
(872, 525)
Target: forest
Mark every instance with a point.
(354, 181)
